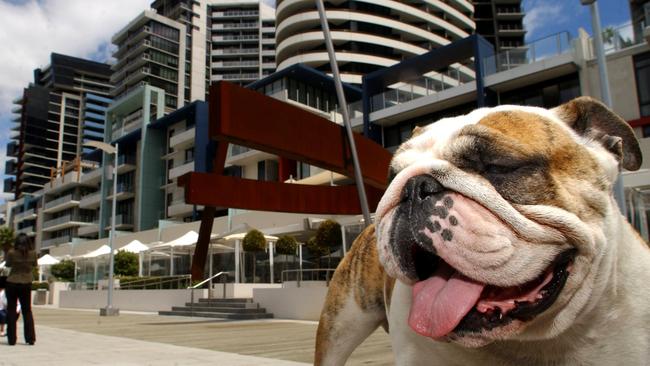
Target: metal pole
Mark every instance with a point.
(300, 263)
(109, 306)
(600, 55)
(271, 259)
(344, 110)
(619, 191)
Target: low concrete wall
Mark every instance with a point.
(54, 293)
(135, 300)
(302, 303)
(240, 290)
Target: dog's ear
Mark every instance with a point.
(590, 118)
(417, 130)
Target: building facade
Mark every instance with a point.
(368, 35)
(242, 40)
(500, 22)
(56, 114)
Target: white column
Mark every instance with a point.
(237, 250)
(171, 261)
(271, 259)
(140, 260)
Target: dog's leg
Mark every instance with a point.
(354, 306)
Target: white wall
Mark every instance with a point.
(135, 300)
(304, 303)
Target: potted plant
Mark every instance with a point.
(254, 242)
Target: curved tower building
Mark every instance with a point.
(368, 34)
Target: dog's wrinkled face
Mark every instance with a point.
(497, 219)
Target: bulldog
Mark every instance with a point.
(499, 242)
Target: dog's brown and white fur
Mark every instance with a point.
(524, 185)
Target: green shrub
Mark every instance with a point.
(316, 250)
(126, 264)
(328, 235)
(7, 237)
(286, 245)
(40, 286)
(254, 241)
(63, 271)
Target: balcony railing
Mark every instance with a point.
(616, 39)
(26, 230)
(61, 200)
(90, 199)
(541, 49)
(57, 221)
(23, 215)
(56, 241)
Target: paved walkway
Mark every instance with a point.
(82, 337)
(71, 348)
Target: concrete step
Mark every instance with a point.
(234, 305)
(218, 315)
(215, 309)
(236, 300)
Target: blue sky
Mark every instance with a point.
(31, 29)
(546, 17)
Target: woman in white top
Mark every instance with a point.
(3, 311)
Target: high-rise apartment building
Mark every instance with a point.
(56, 114)
(243, 40)
(191, 14)
(500, 22)
(640, 16)
(368, 35)
(151, 51)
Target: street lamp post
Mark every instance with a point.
(605, 95)
(109, 310)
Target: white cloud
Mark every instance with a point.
(540, 15)
(31, 30)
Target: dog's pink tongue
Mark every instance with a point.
(441, 301)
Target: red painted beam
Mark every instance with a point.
(218, 190)
(248, 118)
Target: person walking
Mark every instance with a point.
(22, 261)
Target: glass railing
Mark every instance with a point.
(238, 150)
(56, 241)
(554, 45)
(616, 39)
(57, 221)
(61, 200)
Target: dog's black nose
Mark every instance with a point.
(421, 187)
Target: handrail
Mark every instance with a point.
(161, 280)
(191, 288)
(209, 279)
(301, 271)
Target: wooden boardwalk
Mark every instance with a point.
(284, 340)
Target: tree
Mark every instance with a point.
(126, 263)
(316, 250)
(328, 236)
(286, 245)
(254, 242)
(7, 237)
(63, 271)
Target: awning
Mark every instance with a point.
(103, 250)
(47, 260)
(134, 247)
(189, 238)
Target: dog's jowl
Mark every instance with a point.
(499, 242)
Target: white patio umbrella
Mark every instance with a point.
(138, 248)
(46, 260)
(187, 239)
(103, 250)
(238, 239)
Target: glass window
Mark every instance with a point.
(642, 68)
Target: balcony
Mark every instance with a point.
(56, 241)
(124, 192)
(181, 169)
(88, 230)
(61, 203)
(27, 215)
(235, 14)
(70, 179)
(236, 64)
(232, 26)
(29, 230)
(122, 222)
(183, 139)
(90, 201)
(125, 164)
(178, 207)
(510, 30)
(92, 177)
(240, 155)
(64, 222)
(235, 51)
(241, 38)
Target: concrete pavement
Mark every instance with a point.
(55, 346)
